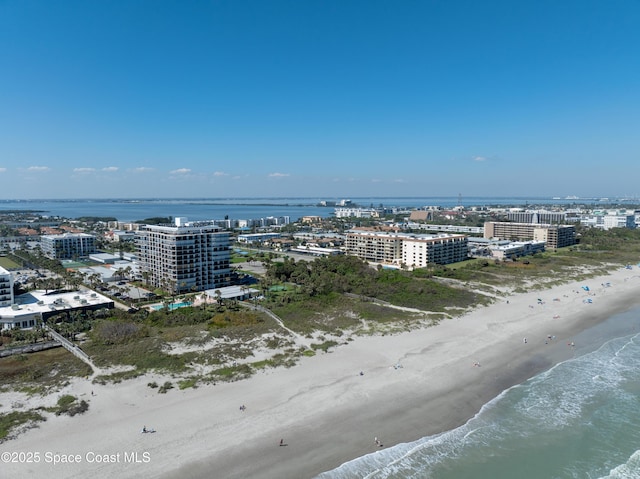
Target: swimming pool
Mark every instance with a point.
(172, 306)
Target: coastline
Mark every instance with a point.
(323, 409)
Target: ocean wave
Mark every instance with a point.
(570, 421)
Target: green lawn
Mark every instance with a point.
(9, 264)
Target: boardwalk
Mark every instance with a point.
(72, 348)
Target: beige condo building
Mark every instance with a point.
(412, 250)
(555, 236)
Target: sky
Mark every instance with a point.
(319, 98)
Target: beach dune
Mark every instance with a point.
(330, 408)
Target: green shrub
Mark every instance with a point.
(165, 387)
(12, 420)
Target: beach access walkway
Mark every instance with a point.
(299, 338)
(72, 348)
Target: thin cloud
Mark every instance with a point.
(38, 168)
(84, 170)
(143, 169)
(2, 170)
(479, 158)
(181, 171)
(278, 175)
(220, 173)
(110, 168)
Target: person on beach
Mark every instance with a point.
(282, 442)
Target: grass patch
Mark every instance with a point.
(336, 313)
(37, 373)
(191, 382)
(69, 405)
(118, 377)
(10, 422)
(147, 353)
(231, 373)
(324, 346)
(8, 263)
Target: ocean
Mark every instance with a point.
(199, 209)
(580, 419)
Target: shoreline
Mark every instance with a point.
(323, 409)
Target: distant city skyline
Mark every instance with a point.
(331, 98)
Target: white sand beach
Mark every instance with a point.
(412, 385)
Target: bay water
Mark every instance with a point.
(200, 209)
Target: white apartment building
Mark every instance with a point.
(412, 250)
(68, 245)
(619, 221)
(421, 250)
(6, 287)
(516, 249)
(257, 237)
(538, 216)
(184, 257)
(356, 213)
(608, 219)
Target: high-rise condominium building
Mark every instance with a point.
(184, 257)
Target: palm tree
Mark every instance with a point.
(204, 297)
(218, 295)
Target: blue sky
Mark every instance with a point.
(331, 98)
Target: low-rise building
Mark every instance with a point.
(516, 249)
(357, 213)
(607, 220)
(257, 237)
(316, 251)
(31, 309)
(311, 219)
(421, 215)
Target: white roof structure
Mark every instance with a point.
(232, 292)
(35, 305)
